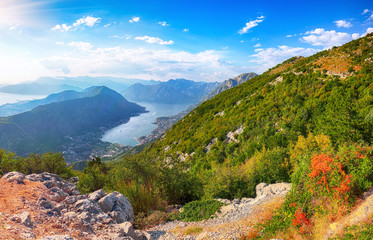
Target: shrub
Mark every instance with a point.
(326, 183)
(199, 210)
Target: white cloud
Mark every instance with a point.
(154, 40)
(88, 21)
(365, 11)
(82, 46)
(62, 27)
(107, 25)
(343, 23)
(84, 21)
(87, 60)
(355, 36)
(251, 24)
(134, 19)
(164, 24)
(326, 39)
(270, 57)
(290, 35)
(60, 43)
(369, 30)
(186, 30)
(257, 45)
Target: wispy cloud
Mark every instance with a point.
(81, 22)
(257, 45)
(251, 24)
(186, 30)
(343, 23)
(134, 20)
(370, 14)
(154, 40)
(164, 24)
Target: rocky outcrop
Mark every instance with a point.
(264, 192)
(95, 216)
(235, 219)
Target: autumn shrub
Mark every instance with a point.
(326, 183)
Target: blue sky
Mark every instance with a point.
(198, 40)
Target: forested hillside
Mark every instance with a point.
(246, 135)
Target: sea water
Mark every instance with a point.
(143, 124)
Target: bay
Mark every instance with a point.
(143, 124)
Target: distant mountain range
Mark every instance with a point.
(77, 121)
(37, 88)
(49, 85)
(172, 91)
(230, 83)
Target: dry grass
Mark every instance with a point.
(336, 64)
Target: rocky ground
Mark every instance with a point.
(43, 206)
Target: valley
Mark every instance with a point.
(190, 120)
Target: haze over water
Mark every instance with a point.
(12, 98)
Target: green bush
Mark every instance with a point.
(199, 210)
(93, 177)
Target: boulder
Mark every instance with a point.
(117, 206)
(57, 195)
(142, 235)
(97, 195)
(23, 218)
(16, 177)
(45, 203)
(277, 189)
(86, 205)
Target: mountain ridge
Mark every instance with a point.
(172, 91)
(53, 126)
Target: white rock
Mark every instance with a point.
(117, 206)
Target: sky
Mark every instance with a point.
(200, 40)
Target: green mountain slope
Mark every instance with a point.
(52, 126)
(241, 137)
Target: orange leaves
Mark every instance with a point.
(300, 219)
(329, 174)
(320, 164)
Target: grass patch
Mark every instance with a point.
(193, 230)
